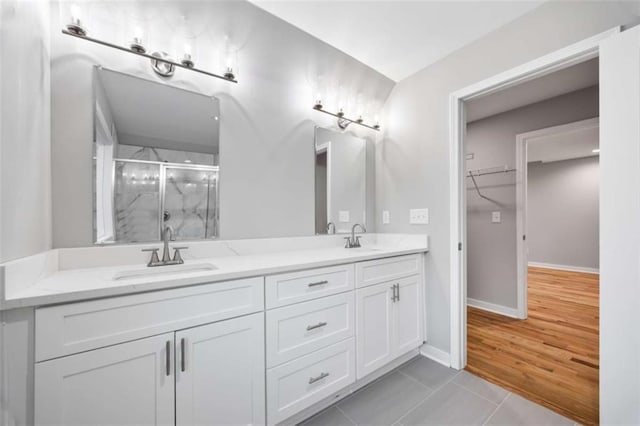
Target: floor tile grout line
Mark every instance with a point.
(435, 390)
(479, 394)
(496, 410)
(346, 416)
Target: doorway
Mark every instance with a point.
(546, 350)
(460, 244)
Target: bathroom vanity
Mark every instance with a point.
(245, 332)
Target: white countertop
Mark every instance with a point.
(59, 277)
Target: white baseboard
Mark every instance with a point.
(492, 307)
(438, 355)
(565, 267)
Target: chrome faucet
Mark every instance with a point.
(353, 241)
(167, 235)
(329, 226)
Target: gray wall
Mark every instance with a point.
(491, 255)
(412, 164)
(25, 171)
(267, 123)
(563, 212)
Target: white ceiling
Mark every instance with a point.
(558, 83)
(181, 120)
(576, 143)
(397, 38)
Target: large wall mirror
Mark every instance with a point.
(156, 161)
(341, 181)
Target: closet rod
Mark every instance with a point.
(474, 173)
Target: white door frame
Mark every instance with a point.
(560, 59)
(522, 141)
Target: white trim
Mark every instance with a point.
(569, 268)
(492, 307)
(555, 61)
(435, 354)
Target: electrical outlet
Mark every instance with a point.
(385, 217)
(496, 217)
(419, 216)
(343, 216)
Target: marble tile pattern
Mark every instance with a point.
(190, 199)
(423, 392)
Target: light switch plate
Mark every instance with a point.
(496, 217)
(343, 216)
(385, 217)
(419, 216)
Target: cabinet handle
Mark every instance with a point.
(182, 355)
(318, 283)
(398, 292)
(168, 350)
(312, 380)
(318, 325)
(393, 295)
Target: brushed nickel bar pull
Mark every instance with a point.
(318, 283)
(312, 380)
(182, 355)
(398, 292)
(393, 295)
(168, 350)
(318, 325)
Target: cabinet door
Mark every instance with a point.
(373, 327)
(125, 384)
(220, 373)
(407, 323)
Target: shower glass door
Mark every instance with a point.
(190, 201)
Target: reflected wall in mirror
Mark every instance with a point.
(156, 161)
(341, 181)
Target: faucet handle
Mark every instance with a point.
(154, 256)
(356, 243)
(176, 254)
(348, 243)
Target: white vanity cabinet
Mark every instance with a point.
(212, 373)
(390, 314)
(129, 383)
(253, 351)
(220, 373)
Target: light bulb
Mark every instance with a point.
(187, 61)
(136, 44)
(75, 23)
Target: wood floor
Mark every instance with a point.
(551, 357)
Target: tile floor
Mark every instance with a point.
(423, 392)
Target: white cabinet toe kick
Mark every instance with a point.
(262, 350)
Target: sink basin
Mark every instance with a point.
(158, 271)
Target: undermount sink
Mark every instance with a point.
(162, 271)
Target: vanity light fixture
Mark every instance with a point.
(161, 62)
(343, 122)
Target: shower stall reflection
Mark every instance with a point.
(149, 196)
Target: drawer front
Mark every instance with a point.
(378, 271)
(301, 383)
(286, 289)
(76, 327)
(300, 329)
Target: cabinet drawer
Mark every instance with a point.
(285, 289)
(301, 383)
(76, 327)
(299, 329)
(377, 271)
